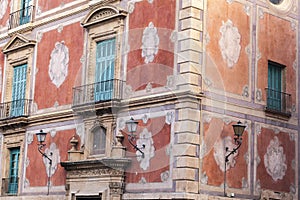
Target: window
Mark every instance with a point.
(25, 11)
(277, 99)
(22, 13)
(104, 71)
(99, 140)
(13, 171)
(18, 90)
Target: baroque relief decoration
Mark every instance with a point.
(219, 153)
(230, 43)
(53, 153)
(146, 140)
(58, 66)
(275, 160)
(150, 42)
(3, 7)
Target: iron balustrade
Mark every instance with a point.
(279, 102)
(20, 17)
(98, 92)
(16, 108)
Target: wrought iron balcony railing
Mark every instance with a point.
(16, 108)
(278, 102)
(20, 17)
(10, 186)
(98, 92)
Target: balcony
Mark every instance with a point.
(20, 17)
(9, 186)
(278, 102)
(95, 93)
(14, 109)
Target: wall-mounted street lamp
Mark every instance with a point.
(41, 136)
(238, 133)
(131, 127)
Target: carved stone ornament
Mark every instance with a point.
(59, 62)
(230, 43)
(275, 160)
(149, 150)
(3, 7)
(53, 153)
(131, 5)
(150, 43)
(219, 153)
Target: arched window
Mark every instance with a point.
(98, 140)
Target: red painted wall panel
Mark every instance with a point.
(36, 171)
(160, 163)
(162, 15)
(46, 93)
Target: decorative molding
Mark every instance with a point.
(257, 159)
(170, 116)
(245, 184)
(52, 133)
(219, 153)
(59, 63)
(145, 139)
(60, 28)
(149, 87)
(275, 160)
(229, 43)
(102, 13)
(165, 176)
(30, 136)
(150, 42)
(258, 95)
(245, 92)
(3, 7)
(204, 178)
(17, 42)
(131, 5)
(260, 13)
(247, 9)
(145, 118)
(116, 187)
(143, 180)
(128, 91)
(53, 153)
(257, 187)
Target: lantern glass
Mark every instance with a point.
(239, 129)
(41, 136)
(132, 125)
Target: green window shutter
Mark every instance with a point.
(13, 171)
(25, 11)
(18, 90)
(104, 72)
(274, 86)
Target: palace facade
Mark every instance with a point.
(183, 71)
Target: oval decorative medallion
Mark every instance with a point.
(150, 43)
(219, 153)
(146, 140)
(275, 160)
(59, 61)
(230, 43)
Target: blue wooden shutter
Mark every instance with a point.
(104, 73)
(274, 86)
(13, 171)
(25, 11)
(18, 90)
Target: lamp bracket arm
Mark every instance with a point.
(43, 154)
(232, 152)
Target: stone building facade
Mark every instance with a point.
(184, 70)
